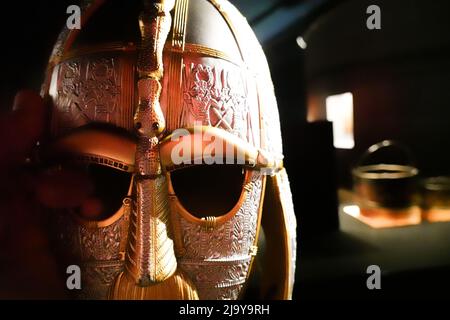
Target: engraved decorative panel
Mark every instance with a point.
(97, 279)
(218, 261)
(215, 96)
(96, 249)
(92, 89)
(101, 243)
(220, 279)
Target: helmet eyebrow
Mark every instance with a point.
(92, 145)
(209, 145)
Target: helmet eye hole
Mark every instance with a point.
(208, 190)
(110, 188)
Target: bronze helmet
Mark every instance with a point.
(136, 81)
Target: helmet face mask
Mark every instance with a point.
(180, 129)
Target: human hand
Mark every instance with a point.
(28, 267)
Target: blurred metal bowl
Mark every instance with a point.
(385, 185)
(435, 192)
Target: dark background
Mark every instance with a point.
(399, 76)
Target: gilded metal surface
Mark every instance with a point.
(202, 51)
(156, 249)
(215, 97)
(150, 257)
(258, 68)
(218, 260)
(174, 60)
(98, 249)
(98, 277)
(215, 93)
(115, 151)
(88, 89)
(105, 48)
(291, 225)
(64, 40)
(87, 7)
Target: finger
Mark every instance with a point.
(20, 129)
(91, 209)
(63, 189)
(29, 269)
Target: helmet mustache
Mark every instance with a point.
(177, 287)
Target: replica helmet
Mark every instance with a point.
(170, 107)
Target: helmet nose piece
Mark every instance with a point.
(149, 119)
(150, 256)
